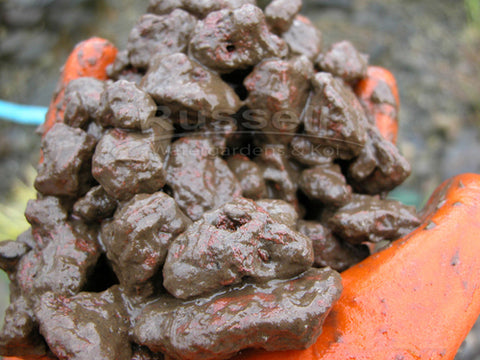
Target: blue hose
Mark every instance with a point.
(22, 114)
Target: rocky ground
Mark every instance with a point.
(432, 46)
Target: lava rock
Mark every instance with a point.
(197, 8)
(180, 84)
(66, 167)
(326, 184)
(281, 13)
(159, 35)
(139, 235)
(96, 205)
(369, 218)
(379, 167)
(280, 211)
(220, 131)
(126, 163)
(19, 335)
(235, 241)
(303, 38)
(342, 59)
(228, 40)
(309, 154)
(83, 101)
(27, 238)
(95, 130)
(119, 65)
(85, 326)
(10, 253)
(128, 106)
(199, 179)
(196, 329)
(335, 117)
(328, 249)
(249, 175)
(122, 69)
(278, 91)
(63, 265)
(279, 175)
(45, 215)
(143, 353)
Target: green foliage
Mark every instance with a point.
(472, 8)
(13, 223)
(12, 219)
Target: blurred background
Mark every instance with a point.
(432, 47)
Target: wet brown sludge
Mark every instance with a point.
(201, 200)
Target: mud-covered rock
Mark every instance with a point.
(96, 205)
(19, 335)
(329, 250)
(160, 131)
(122, 69)
(248, 315)
(185, 89)
(326, 184)
(139, 235)
(63, 265)
(280, 177)
(127, 163)
(198, 8)
(10, 252)
(66, 166)
(128, 107)
(228, 40)
(280, 211)
(303, 38)
(159, 35)
(305, 152)
(334, 116)
(281, 13)
(249, 175)
(113, 266)
(379, 167)
(143, 353)
(27, 238)
(220, 132)
(45, 214)
(83, 101)
(382, 94)
(199, 179)
(342, 59)
(119, 65)
(238, 240)
(278, 91)
(369, 218)
(95, 130)
(85, 326)
(381, 104)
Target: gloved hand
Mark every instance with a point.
(416, 299)
(419, 298)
